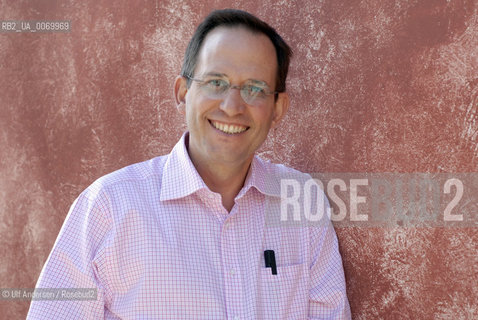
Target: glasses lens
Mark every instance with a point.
(215, 88)
(253, 94)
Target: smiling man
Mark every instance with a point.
(227, 126)
(185, 236)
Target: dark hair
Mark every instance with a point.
(232, 18)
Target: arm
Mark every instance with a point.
(71, 263)
(327, 297)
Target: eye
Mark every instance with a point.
(217, 84)
(254, 90)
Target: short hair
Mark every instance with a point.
(232, 18)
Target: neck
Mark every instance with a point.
(225, 179)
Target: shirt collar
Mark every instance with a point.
(262, 177)
(180, 178)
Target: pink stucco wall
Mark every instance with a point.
(376, 86)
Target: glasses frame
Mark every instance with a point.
(239, 87)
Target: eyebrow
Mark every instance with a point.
(263, 83)
(215, 74)
(223, 75)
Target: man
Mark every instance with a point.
(185, 236)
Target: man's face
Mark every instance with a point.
(239, 56)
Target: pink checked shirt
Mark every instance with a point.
(158, 244)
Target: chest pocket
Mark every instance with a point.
(284, 295)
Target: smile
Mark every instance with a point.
(228, 128)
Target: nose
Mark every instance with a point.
(233, 103)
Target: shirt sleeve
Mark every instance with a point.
(327, 297)
(71, 263)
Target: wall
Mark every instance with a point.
(376, 86)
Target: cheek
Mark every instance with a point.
(263, 117)
(195, 113)
(198, 106)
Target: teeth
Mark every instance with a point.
(228, 128)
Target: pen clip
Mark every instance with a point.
(270, 259)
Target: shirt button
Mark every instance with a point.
(236, 318)
(232, 272)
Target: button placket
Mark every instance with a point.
(232, 278)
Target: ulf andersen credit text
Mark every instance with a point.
(49, 294)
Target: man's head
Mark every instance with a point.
(237, 18)
(230, 96)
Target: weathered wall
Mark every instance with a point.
(376, 86)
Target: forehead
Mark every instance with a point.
(238, 53)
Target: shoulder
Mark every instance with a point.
(280, 171)
(142, 173)
(299, 198)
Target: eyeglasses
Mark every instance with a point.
(253, 92)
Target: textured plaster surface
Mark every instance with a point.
(376, 86)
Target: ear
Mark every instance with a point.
(280, 108)
(180, 90)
